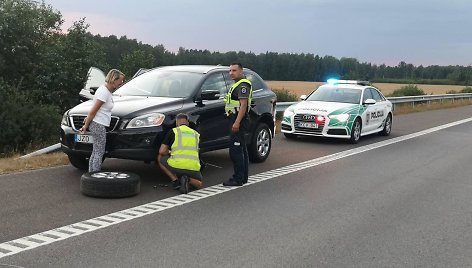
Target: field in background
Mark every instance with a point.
(301, 87)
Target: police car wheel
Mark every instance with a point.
(356, 131)
(261, 143)
(387, 126)
(290, 135)
(110, 184)
(79, 162)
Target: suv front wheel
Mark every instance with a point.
(261, 142)
(79, 162)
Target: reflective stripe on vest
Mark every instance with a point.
(232, 106)
(184, 149)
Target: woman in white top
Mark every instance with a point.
(99, 117)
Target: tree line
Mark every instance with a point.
(42, 68)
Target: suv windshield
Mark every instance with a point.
(336, 94)
(159, 83)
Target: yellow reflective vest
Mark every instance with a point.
(232, 106)
(184, 150)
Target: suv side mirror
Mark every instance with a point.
(369, 101)
(210, 95)
(303, 97)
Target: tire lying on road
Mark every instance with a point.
(110, 184)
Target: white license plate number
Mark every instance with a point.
(307, 125)
(83, 138)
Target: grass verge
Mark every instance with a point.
(15, 164)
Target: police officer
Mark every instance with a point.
(237, 105)
(178, 155)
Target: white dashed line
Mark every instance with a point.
(37, 240)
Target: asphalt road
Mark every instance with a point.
(401, 205)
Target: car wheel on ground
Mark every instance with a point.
(356, 131)
(110, 184)
(79, 162)
(387, 126)
(261, 142)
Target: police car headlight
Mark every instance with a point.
(340, 117)
(148, 120)
(288, 112)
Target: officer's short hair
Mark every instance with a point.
(182, 116)
(237, 63)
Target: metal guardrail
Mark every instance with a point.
(46, 150)
(281, 106)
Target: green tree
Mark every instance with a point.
(63, 65)
(25, 124)
(135, 60)
(24, 28)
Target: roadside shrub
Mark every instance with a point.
(451, 92)
(408, 90)
(284, 95)
(467, 90)
(25, 123)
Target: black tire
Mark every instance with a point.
(79, 162)
(110, 184)
(387, 126)
(261, 143)
(290, 135)
(356, 131)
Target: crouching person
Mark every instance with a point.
(178, 156)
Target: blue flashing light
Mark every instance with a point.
(332, 81)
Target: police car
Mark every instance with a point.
(344, 109)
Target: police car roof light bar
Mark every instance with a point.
(332, 81)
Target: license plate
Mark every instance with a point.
(83, 138)
(307, 125)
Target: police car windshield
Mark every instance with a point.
(336, 94)
(158, 83)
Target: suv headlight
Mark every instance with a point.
(65, 120)
(340, 117)
(148, 120)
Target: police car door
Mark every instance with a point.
(381, 107)
(367, 119)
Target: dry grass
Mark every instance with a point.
(14, 163)
(304, 88)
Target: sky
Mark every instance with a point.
(420, 32)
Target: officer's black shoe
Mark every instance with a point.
(232, 183)
(184, 184)
(176, 184)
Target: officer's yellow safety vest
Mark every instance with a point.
(184, 150)
(232, 106)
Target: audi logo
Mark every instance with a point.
(309, 117)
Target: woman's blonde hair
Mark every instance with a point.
(113, 75)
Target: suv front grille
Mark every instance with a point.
(77, 121)
(299, 118)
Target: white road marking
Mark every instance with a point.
(36, 240)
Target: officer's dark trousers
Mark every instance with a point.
(238, 152)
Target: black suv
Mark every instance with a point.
(145, 109)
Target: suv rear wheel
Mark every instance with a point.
(261, 142)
